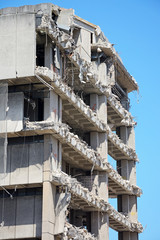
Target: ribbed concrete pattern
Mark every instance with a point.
(89, 158)
(93, 203)
(64, 41)
(120, 149)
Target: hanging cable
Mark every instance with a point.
(11, 196)
(45, 83)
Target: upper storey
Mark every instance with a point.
(21, 55)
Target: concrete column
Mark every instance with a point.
(111, 72)
(51, 108)
(126, 203)
(53, 112)
(52, 162)
(48, 211)
(100, 221)
(48, 60)
(102, 73)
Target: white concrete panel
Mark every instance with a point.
(7, 46)
(24, 217)
(65, 18)
(14, 115)
(26, 45)
(17, 45)
(35, 162)
(131, 137)
(102, 73)
(46, 8)
(51, 107)
(15, 112)
(84, 43)
(19, 164)
(102, 108)
(9, 209)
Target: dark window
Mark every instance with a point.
(34, 109)
(119, 199)
(40, 55)
(91, 38)
(22, 140)
(21, 192)
(120, 236)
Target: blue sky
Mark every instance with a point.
(134, 28)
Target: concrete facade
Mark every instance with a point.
(65, 109)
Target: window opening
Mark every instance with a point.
(40, 55)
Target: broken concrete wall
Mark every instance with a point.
(65, 19)
(84, 44)
(61, 204)
(71, 232)
(8, 46)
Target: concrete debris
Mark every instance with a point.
(61, 169)
(96, 202)
(76, 233)
(106, 45)
(66, 42)
(62, 39)
(87, 70)
(117, 142)
(90, 155)
(78, 103)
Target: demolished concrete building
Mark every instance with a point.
(64, 108)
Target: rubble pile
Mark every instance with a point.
(76, 233)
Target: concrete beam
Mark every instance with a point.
(96, 202)
(87, 112)
(64, 41)
(91, 156)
